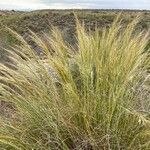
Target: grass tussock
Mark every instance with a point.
(77, 99)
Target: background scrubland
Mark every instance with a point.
(40, 21)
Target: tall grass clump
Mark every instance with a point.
(83, 98)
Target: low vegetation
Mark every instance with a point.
(82, 97)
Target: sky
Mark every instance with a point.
(74, 4)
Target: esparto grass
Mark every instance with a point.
(77, 99)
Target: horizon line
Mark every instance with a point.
(132, 9)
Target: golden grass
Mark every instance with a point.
(82, 99)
